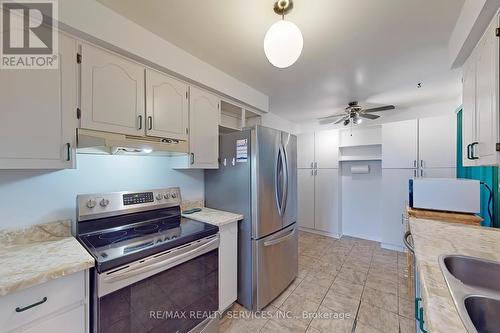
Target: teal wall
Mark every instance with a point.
(487, 174)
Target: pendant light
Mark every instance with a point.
(283, 41)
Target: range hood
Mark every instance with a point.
(97, 142)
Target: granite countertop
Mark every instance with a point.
(432, 239)
(39, 253)
(214, 216)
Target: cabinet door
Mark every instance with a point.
(487, 97)
(437, 137)
(112, 93)
(305, 198)
(305, 150)
(394, 199)
(399, 144)
(438, 173)
(326, 149)
(166, 106)
(38, 115)
(203, 129)
(468, 109)
(326, 204)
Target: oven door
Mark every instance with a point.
(172, 291)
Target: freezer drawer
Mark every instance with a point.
(276, 264)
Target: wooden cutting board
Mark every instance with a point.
(463, 218)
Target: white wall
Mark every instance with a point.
(361, 205)
(32, 197)
(90, 18)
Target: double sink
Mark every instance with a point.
(475, 287)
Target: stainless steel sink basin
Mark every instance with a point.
(474, 285)
(484, 313)
(474, 272)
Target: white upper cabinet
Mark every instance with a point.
(305, 150)
(326, 149)
(166, 106)
(437, 141)
(468, 110)
(38, 115)
(204, 129)
(481, 101)
(399, 144)
(112, 93)
(487, 77)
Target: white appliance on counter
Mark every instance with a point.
(445, 194)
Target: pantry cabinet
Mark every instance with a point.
(204, 129)
(399, 144)
(112, 92)
(305, 198)
(437, 138)
(481, 101)
(38, 116)
(318, 150)
(167, 106)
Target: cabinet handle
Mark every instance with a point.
(417, 306)
(414, 173)
(315, 172)
(422, 322)
(421, 163)
(312, 165)
(312, 172)
(468, 152)
(192, 158)
(150, 121)
(139, 118)
(18, 309)
(315, 164)
(472, 151)
(414, 163)
(421, 173)
(68, 151)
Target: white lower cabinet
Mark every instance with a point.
(318, 200)
(57, 305)
(228, 265)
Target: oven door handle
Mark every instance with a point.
(147, 266)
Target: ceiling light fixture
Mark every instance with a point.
(283, 41)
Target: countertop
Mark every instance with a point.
(214, 216)
(39, 253)
(432, 239)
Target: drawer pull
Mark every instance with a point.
(18, 309)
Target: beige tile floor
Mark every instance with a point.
(347, 285)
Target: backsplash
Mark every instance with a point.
(33, 196)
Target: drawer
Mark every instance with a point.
(59, 293)
(72, 321)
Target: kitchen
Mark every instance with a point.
(163, 177)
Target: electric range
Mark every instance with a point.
(149, 260)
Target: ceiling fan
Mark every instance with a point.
(354, 114)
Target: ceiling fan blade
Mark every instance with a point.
(380, 108)
(369, 116)
(342, 120)
(334, 116)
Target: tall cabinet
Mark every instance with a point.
(414, 148)
(318, 182)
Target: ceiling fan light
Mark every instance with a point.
(283, 44)
(358, 120)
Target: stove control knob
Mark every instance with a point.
(167, 196)
(91, 203)
(159, 196)
(174, 195)
(104, 202)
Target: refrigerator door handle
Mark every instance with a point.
(278, 181)
(285, 179)
(280, 239)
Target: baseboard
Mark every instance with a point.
(362, 237)
(322, 233)
(393, 247)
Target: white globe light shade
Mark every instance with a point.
(283, 44)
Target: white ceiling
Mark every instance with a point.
(373, 51)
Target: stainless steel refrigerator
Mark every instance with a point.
(257, 177)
